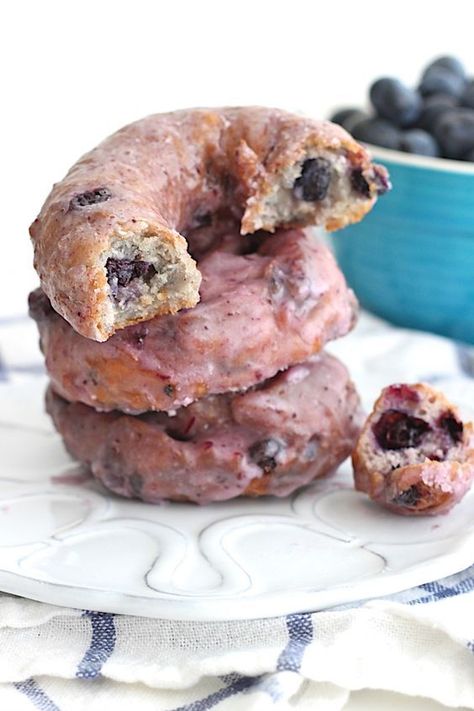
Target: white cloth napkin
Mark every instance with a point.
(420, 642)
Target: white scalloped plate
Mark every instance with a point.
(64, 540)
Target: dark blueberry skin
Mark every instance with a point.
(347, 118)
(397, 430)
(454, 427)
(455, 133)
(120, 272)
(377, 131)
(395, 102)
(469, 155)
(433, 107)
(418, 141)
(452, 64)
(90, 197)
(359, 183)
(378, 179)
(265, 454)
(409, 497)
(439, 80)
(467, 97)
(313, 183)
(381, 181)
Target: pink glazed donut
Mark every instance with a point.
(110, 241)
(275, 305)
(272, 439)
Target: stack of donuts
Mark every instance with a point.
(184, 307)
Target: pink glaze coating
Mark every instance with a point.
(272, 439)
(258, 314)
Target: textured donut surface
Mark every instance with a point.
(110, 241)
(269, 440)
(260, 312)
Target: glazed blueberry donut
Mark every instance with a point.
(414, 454)
(109, 242)
(261, 311)
(269, 440)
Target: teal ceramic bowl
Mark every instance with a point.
(411, 260)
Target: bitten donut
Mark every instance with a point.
(259, 313)
(269, 440)
(414, 455)
(109, 242)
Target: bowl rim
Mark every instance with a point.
(445, 165)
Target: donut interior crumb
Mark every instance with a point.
(433, 443)
(284, 204)
(142, 271)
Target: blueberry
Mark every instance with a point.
(341, 115)
(467, 97)
(265, 453)
(377, 131)
(313, 183)
(409, 497)
(439, 80)
(469, 155)
(451, 63)
(394, 101)
(347, 118)
(450, 424)
(418, 141)
(381, 180)
(359, 183)
(120, 272)
(433, 107)
(90, 197)
(454, 132)
(397, 430)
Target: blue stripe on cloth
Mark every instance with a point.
(242, 683)
(267, 683)
(440, 590)
(300, 633)
(32, 690)
(101, 647)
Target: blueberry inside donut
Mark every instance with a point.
(111, 243)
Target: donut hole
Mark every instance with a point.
(221, 233)
(141, 271)
(407, 430)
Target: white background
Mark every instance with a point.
(73, 72)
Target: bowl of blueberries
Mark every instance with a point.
(411, 260)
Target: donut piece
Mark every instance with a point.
(259, 313)
(109, 242)
(414, 454)
(270, 440)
